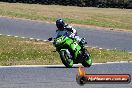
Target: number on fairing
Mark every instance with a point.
(75, 45)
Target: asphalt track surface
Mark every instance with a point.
(61, 77)
(58, 77)
(40, 30)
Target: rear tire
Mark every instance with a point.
(88, 60)
(65, 60)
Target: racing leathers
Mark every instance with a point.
(70, 31)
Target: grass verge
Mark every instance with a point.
(17, 51)
(104, 17)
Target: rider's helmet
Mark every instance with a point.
(60, 24)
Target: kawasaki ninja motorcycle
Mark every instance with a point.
(71, 52)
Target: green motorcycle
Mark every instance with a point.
(71, 52)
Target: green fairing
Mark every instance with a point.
(63, 50)
(69, 42)
(62, 43)
(74, 46)
(77, 50)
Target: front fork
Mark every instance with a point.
(68, 53)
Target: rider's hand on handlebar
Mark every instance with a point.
(50, 39)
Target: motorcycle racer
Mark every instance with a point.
(63, 29)
(70, 46)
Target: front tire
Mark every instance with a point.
(88, 60)
(65, 60)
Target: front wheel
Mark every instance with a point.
(65, 59)
(88, 60)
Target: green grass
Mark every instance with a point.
(104, 17)
(17, 51)
(103, 55)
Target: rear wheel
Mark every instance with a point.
(66, 60)
(88, 60)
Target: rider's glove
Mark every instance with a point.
(50, 39)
